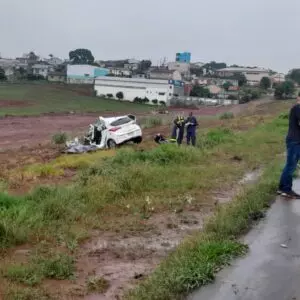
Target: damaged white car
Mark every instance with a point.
(111, 132)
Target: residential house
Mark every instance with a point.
(41, 69)
(253, 75)
(164, 73)
(54, 61)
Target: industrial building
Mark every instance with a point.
(132, 88)
(84, 74)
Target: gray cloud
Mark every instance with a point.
(256, 32)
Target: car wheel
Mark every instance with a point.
(137, 140)
(111, 144)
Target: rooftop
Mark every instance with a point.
(238, 69)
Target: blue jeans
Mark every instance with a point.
(293, 156)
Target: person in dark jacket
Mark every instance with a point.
(178, 129)
(191, 125)
(293, 153)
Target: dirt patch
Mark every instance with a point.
(14, 103)
(122, 259)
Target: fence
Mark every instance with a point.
(196, 101)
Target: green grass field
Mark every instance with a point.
(35, 99)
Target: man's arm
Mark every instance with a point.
(297, 113)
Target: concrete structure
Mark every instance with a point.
(84, 74)
(182, 67)
(253, 75)
(184, 57)
(56, 77)
(164, 73)
(278, 78)
(161, 90)
(54, 61)
(120, 72)
(41, 70)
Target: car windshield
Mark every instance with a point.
(121, 121)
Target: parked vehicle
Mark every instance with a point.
(111, 132)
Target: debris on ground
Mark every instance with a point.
(75, 146)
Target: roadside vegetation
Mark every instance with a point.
(119, 191)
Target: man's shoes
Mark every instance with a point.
(290, 195)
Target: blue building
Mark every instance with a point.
(184, 57)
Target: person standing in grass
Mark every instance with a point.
(178, 129)
(293, 153)
(191, 125)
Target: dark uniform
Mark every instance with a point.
(191, 124)
(293, 153)
(179, 123)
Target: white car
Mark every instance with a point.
(110, 132)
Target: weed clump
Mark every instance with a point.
(59, 138)
(97, 284)
(227, 116)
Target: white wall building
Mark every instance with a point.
(41, 70)
(253, 75)
(84, 74)
(161, 90)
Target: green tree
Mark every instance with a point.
(284, 90)
(241, 78)
(2, 74)
(81, 57)
(294, 75)
(145, 65)
(120, 95)
(227, 85)
(265, 83)
(200, 91)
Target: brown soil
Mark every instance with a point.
(14, 103)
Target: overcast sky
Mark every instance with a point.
(246, 32)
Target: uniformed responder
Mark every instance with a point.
(191, 125)
(178, 129)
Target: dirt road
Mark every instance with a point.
(270, 271)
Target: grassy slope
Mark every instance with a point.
(116, 191)
(45, 98)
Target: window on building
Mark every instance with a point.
(161, 94)
(170, 94)
(170, 86)
(86, 75)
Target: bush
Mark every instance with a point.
(163, 103)
(59, 138)
(109, 95)
(232, 97)
(227, 115)
(120, 95)
(154, 101)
